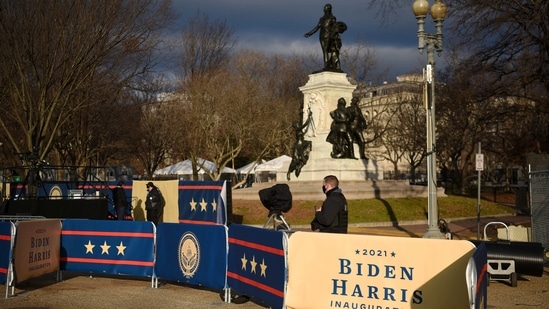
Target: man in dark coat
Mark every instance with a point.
(120, 201)
(154, 205)
(332, 216)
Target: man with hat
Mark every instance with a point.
(154, 205)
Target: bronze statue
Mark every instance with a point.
(339, 135)
(330, 39)
(302, 147)
(357, 125)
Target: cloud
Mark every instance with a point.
(279, 26)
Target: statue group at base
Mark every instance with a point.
(347, 127)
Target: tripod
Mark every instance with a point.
(279, 223)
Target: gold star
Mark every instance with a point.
(263, 268)
(193, 204)
(89, 247)
(244, 262)
(121, 248)
(105, 248)
(214, 206)
(203, 205)
(253, 263)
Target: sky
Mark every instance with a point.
(278, 26)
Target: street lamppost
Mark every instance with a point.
(432, 42)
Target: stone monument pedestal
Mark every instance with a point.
(321, 94)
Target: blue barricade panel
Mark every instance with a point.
(203, 202)
(108, 247)
(5, 249)
(480, 258)
(257, 263)
(192, 253)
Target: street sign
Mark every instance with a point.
(479, 162)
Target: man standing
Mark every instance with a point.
(332, 216)
(154, 205)
(120, 201)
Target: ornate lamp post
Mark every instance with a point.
(431, 42)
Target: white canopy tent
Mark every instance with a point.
(185, 168)
(273, 165)
(250, 167)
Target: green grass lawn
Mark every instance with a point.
(406, 209)
(382, 210)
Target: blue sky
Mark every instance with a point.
(278, 26)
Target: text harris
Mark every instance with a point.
(346, 286)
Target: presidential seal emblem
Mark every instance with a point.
(189, 254)
(55, 193)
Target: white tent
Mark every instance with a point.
(185, 168)
(250, 167)
(273, 165)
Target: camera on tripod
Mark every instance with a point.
(277, 199)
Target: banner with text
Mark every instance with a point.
(360, 271)
(257, 264)
(36, 249)
(203, 202)
(108, 247)
(7, 229)
(192, 253)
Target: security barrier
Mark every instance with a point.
(280, 269)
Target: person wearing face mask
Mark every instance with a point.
(332, 216)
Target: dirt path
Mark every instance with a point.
(83, 292)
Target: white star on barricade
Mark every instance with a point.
(253, 263)
(193, 204)
(263, 268)
(214, 206)
(203, 205)
(121, 248)
(89, 247)
(105, 248)
(244, 262)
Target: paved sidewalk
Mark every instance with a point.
(461, 228)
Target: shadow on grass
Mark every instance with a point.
(390, 212)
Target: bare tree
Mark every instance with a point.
(409, 125)
(234, 104)
(237, 110)
(205, 45)
(60, 58)
(465, 117)
(361, 63)
(158, 128)
(510, 41)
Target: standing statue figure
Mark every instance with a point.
(339, 136)
(330, 39)
(357, 125)
(302, 148)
